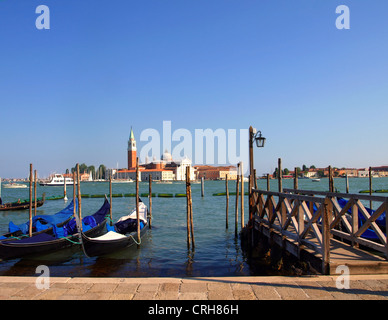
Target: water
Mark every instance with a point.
(163, 251)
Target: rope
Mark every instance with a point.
(138, 243)
(68, 239)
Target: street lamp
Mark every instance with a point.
(260, 140)
(254, 135)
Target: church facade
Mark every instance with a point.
(165, 169)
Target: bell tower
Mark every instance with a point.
(132, 151)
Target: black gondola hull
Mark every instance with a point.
(13, 249)
(20, 206)
(93, 247)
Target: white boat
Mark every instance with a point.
(58, 180)
(14, 185)
(122, 181)
(315, 180)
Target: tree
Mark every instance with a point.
(101, 171)
(286, 172)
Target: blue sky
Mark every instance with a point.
(71, 94)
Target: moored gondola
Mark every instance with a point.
(18, 205)
(55, 238)
(121, 235)
(40, 223)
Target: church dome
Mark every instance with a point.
(166, 156)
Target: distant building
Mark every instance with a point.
(165, 169)
(216, 173)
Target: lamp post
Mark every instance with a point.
(254, 136)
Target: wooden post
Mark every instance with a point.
(188, 208)
(255, 179)
(64, 189)
(227, 201)
(331, 182)
(30, 225)
(237, 195)
(370, 186)
(326, 238)
(347, 183)
(35, 201)
(150, 200)
(79, 197)
(296, 179)
(137, 201)
(280, 175)
(74, 195)
(202, 187)
(191, 215)
(268, 184)
(242, 194)
(110, 199)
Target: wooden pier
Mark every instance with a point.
(313, 225)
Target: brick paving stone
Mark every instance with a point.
(126, 288)
(193, 287)
(121, 296)
(103, 287)
(265, 292)
(52, 294)
(314, 290)
(365, 287)
(339, 294)
(193, 296)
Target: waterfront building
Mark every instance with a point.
(216, 173)
(165, 169)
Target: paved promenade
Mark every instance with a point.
(361, 287)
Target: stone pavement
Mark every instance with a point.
(361, 287)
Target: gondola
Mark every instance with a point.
(369, 233)
(22, 205)
(121, 235)
(40, 223)
(55, 238)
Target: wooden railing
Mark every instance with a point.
(309, 219)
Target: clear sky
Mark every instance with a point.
(71, 93)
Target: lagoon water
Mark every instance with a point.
(163, 251)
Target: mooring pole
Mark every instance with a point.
(370, 187)
(35, 202)
(188, 208)
(110, 199)
(74, 195)
(64, 189)
(137, 201)
(227, 201)
(242, 194)
(202, 187)
(237, 196)
(150, 200)
(30, 217)
(79, 197)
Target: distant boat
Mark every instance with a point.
(58, 180)
(14, 185)
(315, 180)
(22, 205)
(122, 181)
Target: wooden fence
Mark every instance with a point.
(303, 219)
